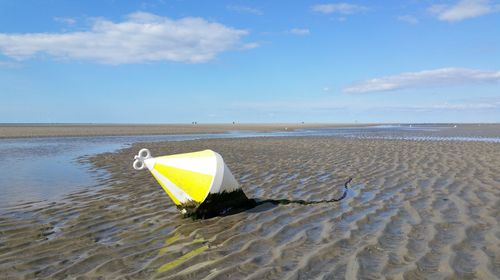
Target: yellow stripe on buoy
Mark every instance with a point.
(196, 185)
(165, 188)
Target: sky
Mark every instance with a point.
(179, 61)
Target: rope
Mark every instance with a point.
(303, 202)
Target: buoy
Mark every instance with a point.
(199, 183)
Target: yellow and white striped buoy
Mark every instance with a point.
(194, 179)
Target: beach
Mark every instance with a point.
(414, 210)
(75, 130)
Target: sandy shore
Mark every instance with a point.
(54, 130)
(417, 210)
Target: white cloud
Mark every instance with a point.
(408, 19)
(142, 37)
(427, 78)
(299, 31)
(339, 8)
(463, 9)
(244, 9)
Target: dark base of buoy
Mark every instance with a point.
(218, 204)
(229, 203)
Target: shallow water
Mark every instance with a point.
(40, 169)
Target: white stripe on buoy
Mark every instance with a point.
(204, 165)
(168, 186)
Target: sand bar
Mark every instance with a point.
(53, 130)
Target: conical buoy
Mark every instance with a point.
(199, 183)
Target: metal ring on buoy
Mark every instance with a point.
(143, 155)
(138, 164)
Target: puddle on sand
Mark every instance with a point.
(35, 170)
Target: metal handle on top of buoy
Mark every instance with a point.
(143, 155)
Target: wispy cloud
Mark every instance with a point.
(326, 105)
(464, 106)
(427, 78)
(338, 8)
(299, 31)
(408, 19)
(295, 105)
(244, 9)
(463, 9)
(9, 64)
(481, 103)
(142, 37)
(65, 20)
(472, 105)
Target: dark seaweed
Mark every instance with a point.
(229, 203)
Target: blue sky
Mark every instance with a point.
(166, 61)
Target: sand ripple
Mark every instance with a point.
(417, 210)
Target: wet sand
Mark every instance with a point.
(416, 210)
(54, 130)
